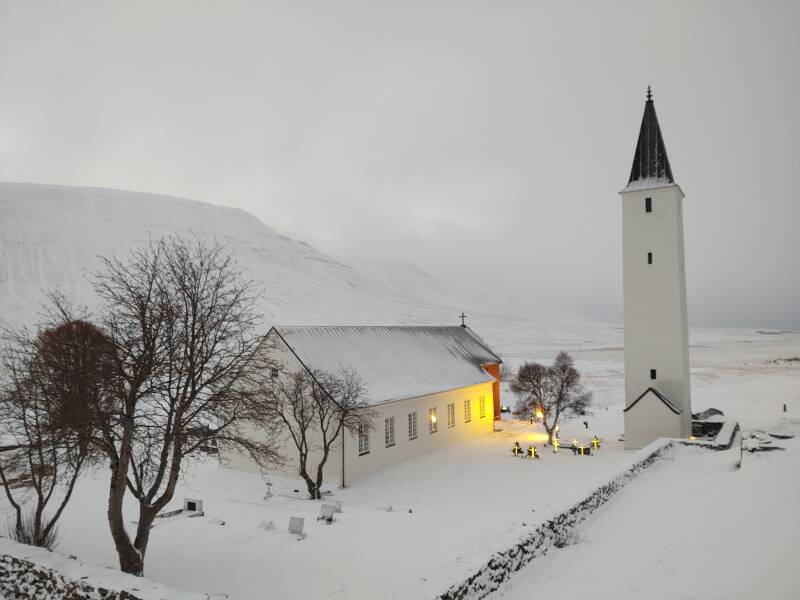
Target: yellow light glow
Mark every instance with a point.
(536, 437)
(691, 437)
(539, 413)
(557, 428)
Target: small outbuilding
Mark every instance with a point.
(428, 385)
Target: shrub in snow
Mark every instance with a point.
(24, 530)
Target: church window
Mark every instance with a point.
(412, 425)
(388, 431)
(482, 407)
(363, 440)
(652, 373)
(467, 411)
(648, 205)
(451, 415)
(649, 258)
(433, 426)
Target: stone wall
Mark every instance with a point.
(558, 531)
(554, 533)
(30, 573)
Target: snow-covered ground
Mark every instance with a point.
(465, 501)
(472, 499)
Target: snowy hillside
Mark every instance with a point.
(51, 236)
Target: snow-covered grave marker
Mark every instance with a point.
(326, 513)
(269, 526)
(337, 506)
(296, 526)
(192, 505)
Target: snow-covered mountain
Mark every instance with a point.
(51, 237)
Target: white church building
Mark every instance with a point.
(657, 394)
(429, 386)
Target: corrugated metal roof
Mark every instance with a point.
(395, 362)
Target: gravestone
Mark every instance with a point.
(326, 513)
(269, 526)
(296, 526)
(337, 506)
(192, 505)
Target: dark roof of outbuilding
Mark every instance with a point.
(670, 405)
(650, 163)
(395, 362)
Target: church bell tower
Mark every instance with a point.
(657, 392)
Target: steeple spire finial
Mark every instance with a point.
(650, 160)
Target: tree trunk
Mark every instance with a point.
(313, 489)
(320, 471)
(130, 561)
(146, 517)
(550, 431)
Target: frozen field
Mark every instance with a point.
(451, 509)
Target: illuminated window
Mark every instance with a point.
(412, 425)
(363, 440)
(649, 258)
(652, 373)
(467, 411)
(648, 205)
(432, 425)
(451, 415)
(482, 407)
(388, 431)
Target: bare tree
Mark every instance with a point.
(51, 384)
(289, 400)
(187, 357)
(315, 408)
(340, 407)
(556, 392)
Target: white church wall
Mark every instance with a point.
(380, 456)
(289, 363)
(648, 420)
(656, 328)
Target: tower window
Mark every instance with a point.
(649, 258)
(648, 205)
(652, 373)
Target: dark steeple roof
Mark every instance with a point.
(650, 161)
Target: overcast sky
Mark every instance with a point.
(484, 141)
